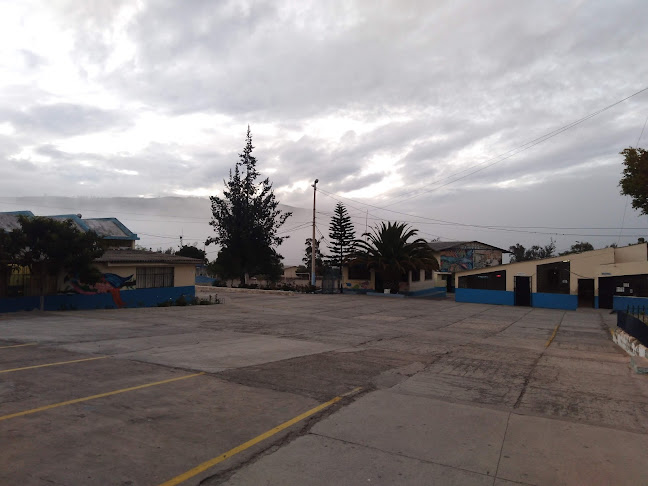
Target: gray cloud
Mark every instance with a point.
(433, 88)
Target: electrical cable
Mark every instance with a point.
(628, 197)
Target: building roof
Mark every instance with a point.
(9, 220)
(106, 228)
(447, 245)
(143, 256)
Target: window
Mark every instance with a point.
(484, 281)
(153, 277)
(416, 275)
(428, 275)
(19, 281)
(553, 278)
(359, 272)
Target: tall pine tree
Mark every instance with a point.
(246, 220)
(341, 236)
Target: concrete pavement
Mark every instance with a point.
(453, 394)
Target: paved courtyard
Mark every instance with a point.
(319, 389)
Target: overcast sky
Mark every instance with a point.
(378, 100)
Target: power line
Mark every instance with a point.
(490, 227)
(501, 157)
(497, 226)
(521, 148)
(625, 208)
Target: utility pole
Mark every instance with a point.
(313, 240)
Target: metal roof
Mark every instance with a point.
(447, 245)
(143, 256)
(106, 228)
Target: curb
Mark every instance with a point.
(205, 288)
(629, 344)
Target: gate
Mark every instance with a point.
(331, 281)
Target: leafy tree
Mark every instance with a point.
(246, 219)
(536, 252)
(341, 235)
(191, 251)
(578, 247)
(518, 253)
(49, 247)
(319, 258)
(389, 251)
(634, 182)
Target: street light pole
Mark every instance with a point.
(313, 240)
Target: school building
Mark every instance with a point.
(610, 278)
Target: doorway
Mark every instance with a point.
(522, 290)
(606, 292)
(585, 292)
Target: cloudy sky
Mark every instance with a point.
(393, 106)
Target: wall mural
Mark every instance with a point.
(487, 258)
(460, 259)
(109, 283)
(358, 286)
(456, 260)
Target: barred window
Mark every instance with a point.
(428, 275)
(553, 278)
(416, 275)
(153, 277)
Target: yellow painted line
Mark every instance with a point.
(52, 364)
(246, 445)
(18, 345)
(555, 331)
(93, 397)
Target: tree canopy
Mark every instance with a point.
(521, 254)
(390, 251)
(341, 235)
(246, 221)
(578, 247)
(191, 251)
(634, 182)
(49, 247)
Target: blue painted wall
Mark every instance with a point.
(202, 280)
(596, 302)
(433, 291)
(132, 298)
(554, 301)
(621, 303)
(478, 296)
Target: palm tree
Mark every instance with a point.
(389, 252)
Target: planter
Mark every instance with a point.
(633, 326)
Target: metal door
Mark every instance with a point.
(522, 290)
(585, 292)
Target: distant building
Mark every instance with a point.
(130, 278)
(452, 256)
(111, 230)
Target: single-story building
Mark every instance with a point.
(610, 278)
(130, 278)
(453, 256)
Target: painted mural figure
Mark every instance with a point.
(109, 283)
